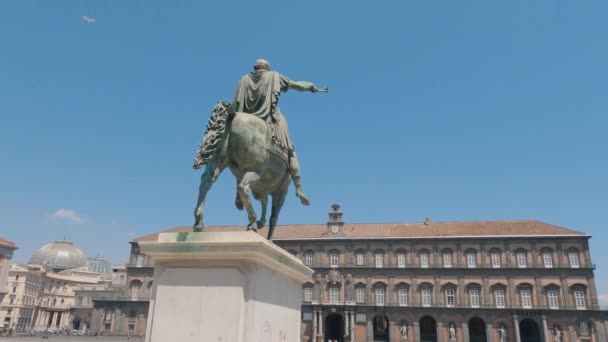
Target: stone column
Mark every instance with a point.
(490, 332)
(572, 333)
(511, 292)
(352, 326)
(391, 291)
(516, 325)
(593, 299)
(438, 300)
(321, 333)
(601, 331)
(485, 295)
(565, 290)
(542, 301)
(392, 332)
(461, 291)
(346, 323)
(465, 332)
(439, 331)
(545, 329)
(414, 292)
(416, 331)
(315, 318)
(370, 329)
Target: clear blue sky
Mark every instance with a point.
(459, 110)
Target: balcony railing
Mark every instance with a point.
(457, 306)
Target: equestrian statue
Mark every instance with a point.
(250, 136)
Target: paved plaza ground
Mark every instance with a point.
(59, 338)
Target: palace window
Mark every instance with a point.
(402, 294)
(379, 296)
(426, 297)
(450, 298)
(333, 259)
(360, 291)
(360, 259)
(308, 294)
(474, 297)
(334, 295)
(573, 257)
(521, 259)
(548, 259)
(140, 260)
(584, 328)
(379, 259)
(447, 259)
(308, 259)
(526, 298)
(579, 299)
(424, 259)
(135, 287)
(401, 260)
(495, 256)
(471, 259)
(553, 299)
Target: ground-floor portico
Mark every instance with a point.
(343, 323)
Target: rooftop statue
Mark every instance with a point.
(250, 136)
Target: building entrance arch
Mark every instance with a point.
(428, 329)
(477, 330)
(529, 331)
(381, 330)
(334, 328)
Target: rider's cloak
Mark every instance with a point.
(258, 93)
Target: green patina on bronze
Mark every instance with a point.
(251, 137)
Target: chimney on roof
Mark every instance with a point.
(427, 220)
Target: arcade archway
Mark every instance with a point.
(428, 329)
(477, 330)
(334, 328)
(381, 331)
(529, 331)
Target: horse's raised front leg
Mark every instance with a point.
(244, 188)
(278, 200)
(264, 201)
(212, 171)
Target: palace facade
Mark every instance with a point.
(495, 281)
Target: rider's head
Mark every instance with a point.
(261, 64)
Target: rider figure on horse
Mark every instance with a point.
(258, 94)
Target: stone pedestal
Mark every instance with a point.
(223, 286)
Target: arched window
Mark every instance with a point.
(547, 254)
(360, 257)
(495, 258)
(379, 258)
(426, 294)
(308, 257)
(334, 294)
(449, 291)
(471, 256)
(360, 293)
(447, 258)
(424, 258)
(135, 289)
(402, 294)
(334, 258)
(140, 260)
(573, 258)
(552, 292)
(401, 258)
(579, 292)
(522, 258)
(307, 292)
(525, 295)
(379, 294)
(474, 291)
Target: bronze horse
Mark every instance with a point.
(239, 141)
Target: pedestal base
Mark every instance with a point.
(232, 286)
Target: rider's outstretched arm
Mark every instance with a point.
(302, 86)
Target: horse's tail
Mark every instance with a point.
(215, 134)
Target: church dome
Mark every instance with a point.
(59, 256)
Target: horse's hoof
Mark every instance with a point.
(303, 199)
(261, 224)
(239, 204)
(252, 227)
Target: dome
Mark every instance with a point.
(59, 255)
